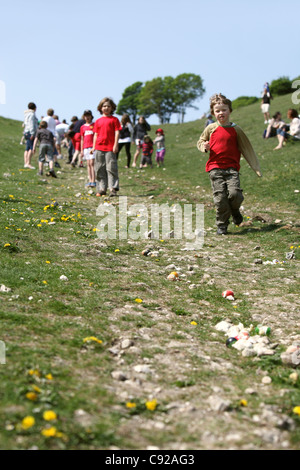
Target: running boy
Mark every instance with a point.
(87, 137)
(46, 139)
(106, 135)
(226, 141)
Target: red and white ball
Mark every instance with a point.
(228, 294)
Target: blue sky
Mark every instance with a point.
(68, 55)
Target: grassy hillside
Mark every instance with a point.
(124, 357)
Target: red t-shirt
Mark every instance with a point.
(106, 127)
(224, 151)
(87, 132)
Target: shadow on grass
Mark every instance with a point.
(266, 228)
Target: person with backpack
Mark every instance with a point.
(125, 137)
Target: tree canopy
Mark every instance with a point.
(162, 96)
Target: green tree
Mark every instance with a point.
(129, 101)
(186, 89)
(281, 86)
(156, 97)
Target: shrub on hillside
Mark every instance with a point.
(243, 101)
(281, 86)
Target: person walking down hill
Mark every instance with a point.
(46, 139)
(75, 127)
(30, 129)
(159, 141)
(106, 137)
(294, 131)
(209, 120)
(87, 138)
(265, 104)
(140, 129)
(126, 134)
(226, 141)
(61, 130)
(147, 150)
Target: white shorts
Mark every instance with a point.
(265, 108)
(87, 155)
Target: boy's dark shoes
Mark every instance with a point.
(51, 173)
(237, 218)
(222, 231)
(57, 165)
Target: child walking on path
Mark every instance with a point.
(159, 141)
(147, 150)
(87, 138)
(125, 137)
(105, 145)
(30, 128)
(226, 141)
(46, 139)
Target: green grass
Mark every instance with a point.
(45, 320)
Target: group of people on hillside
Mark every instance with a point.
(98, 143)
(276, 126)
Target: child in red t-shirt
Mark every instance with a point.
(226, 141)
(105, 145)
(87, 138)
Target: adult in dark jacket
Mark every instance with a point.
(139, 131)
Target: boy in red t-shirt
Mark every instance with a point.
(106, 136)
(87, 138)
(226, 141)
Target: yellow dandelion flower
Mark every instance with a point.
(139, 301)
(151, 405)
(36, 389)
(49, 432)
(296, 410)
(28, 422)
(48, 262)
(194, 323)
(49, 415)
(10, 195)
(39, 225)
(88, 339)
(45, 282)
(34, 372)
(130, 404)
(6, 244)
(243, 402)
(27, 220)
(49, 377)
(116, 251)
(31, 396)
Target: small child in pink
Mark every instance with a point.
(159, 141)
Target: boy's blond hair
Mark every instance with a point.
(218, 98)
